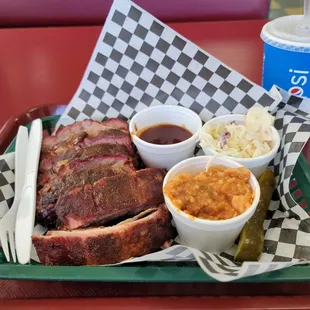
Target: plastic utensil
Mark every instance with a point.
(307, 10)
(26, 210)
(303, 28)
(7, 223)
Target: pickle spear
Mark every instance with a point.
(251, 240)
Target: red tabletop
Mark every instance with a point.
(44, 65)
(183, 303)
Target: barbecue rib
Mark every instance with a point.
(70, 155)
(110, 198)
(89, 163)
(82, 140)
(88, 178)
(106, 245)
(77, 132)
(82, 172)
(54, 166)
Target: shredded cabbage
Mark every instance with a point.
(237, 140)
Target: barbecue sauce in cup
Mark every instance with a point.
(164, 134)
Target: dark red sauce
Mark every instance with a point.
(164, 134)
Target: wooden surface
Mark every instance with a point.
(40, 66)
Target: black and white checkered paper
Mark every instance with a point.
(140, 62)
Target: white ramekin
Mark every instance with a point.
(208, 235)
(256, 165)
(165, 156)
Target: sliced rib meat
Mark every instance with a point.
(109, 136)
(110, 198)
(106, 245)
(76, 132)
(80, 173)
(53, 164)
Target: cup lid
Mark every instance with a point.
(293, 30)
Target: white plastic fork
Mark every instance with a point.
(7, 223)
(25, 216)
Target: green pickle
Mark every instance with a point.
(251, 240)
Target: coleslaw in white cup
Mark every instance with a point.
(257, 156)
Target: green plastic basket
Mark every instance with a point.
(157, 272)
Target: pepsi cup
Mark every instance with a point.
(287, 55)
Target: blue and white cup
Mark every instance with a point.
(287, 55)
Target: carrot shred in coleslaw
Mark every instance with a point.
(248, 140)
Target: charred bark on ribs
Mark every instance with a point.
(88, 177)
(76, 175)
(110, 198)
(106, 245)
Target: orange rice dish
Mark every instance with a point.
(217, 194)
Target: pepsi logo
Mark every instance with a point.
(298, 81)
(296, 90)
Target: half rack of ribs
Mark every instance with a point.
(81, 141)
(136, 236)
(89, 176)
(110, 198)
(76, 175)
